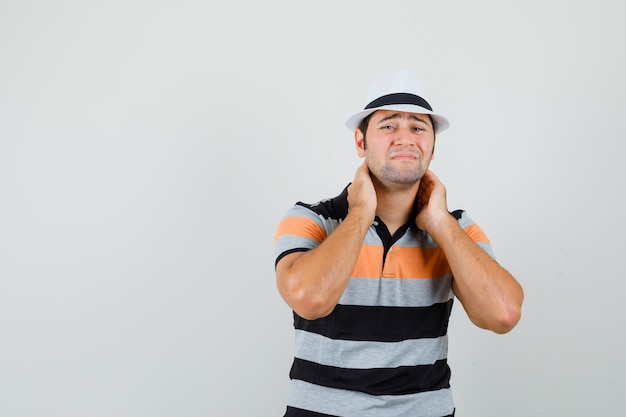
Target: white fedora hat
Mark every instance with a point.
(399, 90)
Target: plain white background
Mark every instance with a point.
(149, 148)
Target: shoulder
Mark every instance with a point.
(473, 230)
(335, 208)
(463, 218)
(306, 225)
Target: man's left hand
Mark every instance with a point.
(432, 204)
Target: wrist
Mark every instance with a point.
(443, 226)
(361, 215)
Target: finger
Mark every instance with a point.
(364, 167)
(360, 170)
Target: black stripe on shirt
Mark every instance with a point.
(299, 412)
(380, 324)
(376, 381)
(333, 208)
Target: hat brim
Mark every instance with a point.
(440, 122)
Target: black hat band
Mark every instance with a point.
(399, 98)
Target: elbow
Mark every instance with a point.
(507, 320)
(302, 292)
(501, 321)
(510, 313)
(310, 306)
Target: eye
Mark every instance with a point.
(387, 127)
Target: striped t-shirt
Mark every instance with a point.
(382, 351)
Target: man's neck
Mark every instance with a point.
(395, 206)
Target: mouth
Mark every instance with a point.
(404, 157)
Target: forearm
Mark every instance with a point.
(312, 282)
(490, 295)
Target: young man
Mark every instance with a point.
(371, 274)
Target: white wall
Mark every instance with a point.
(148, 149)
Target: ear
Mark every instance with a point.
(359, 141)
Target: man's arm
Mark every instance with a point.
(312, 282)
(490, 295)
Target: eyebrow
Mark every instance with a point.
(397, 115)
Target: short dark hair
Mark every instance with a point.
(365, 123)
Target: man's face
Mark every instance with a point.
(397, 147)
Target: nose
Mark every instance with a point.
(403, 137)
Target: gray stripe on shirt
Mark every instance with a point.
(357, 404)
(397, 292)
(367, 355)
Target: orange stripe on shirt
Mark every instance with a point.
(414, 262)
(300, 226)
(401, 262)
(369, 263)
(476, 233)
